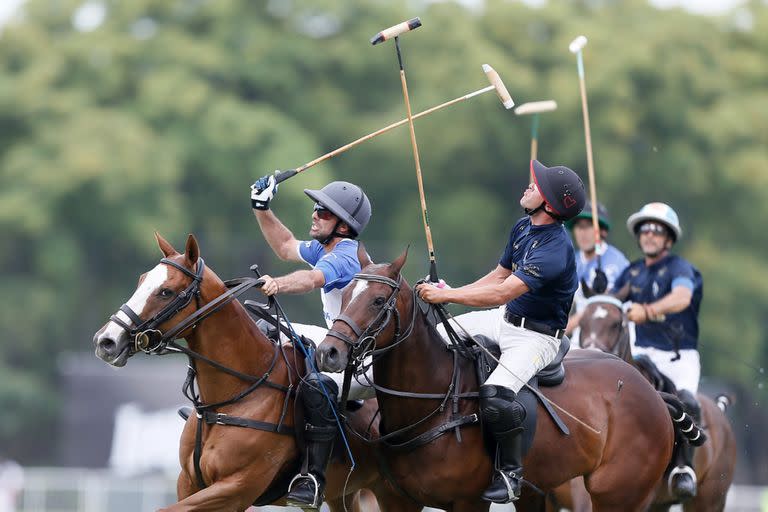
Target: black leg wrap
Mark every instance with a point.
(306, 489)
(503, 417)
(682, 480)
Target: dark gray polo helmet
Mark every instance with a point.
(346, 201)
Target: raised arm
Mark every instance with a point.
(279, 237)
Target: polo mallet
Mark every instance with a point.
(394, 32)
(575, 47)
(496, 85)
(534, 108)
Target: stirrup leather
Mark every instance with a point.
(316, 499)
(510, 488)
(680, 470)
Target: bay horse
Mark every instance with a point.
(426, 389)
(240, 447)
(604, 326)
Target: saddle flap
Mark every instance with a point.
(554, 373)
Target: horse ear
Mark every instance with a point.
(192, 250)
(362, 255)
(165, 247)
(586, 290)
(397, 265)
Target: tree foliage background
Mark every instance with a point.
(160, 117)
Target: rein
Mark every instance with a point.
(149, 339)
(364, 346)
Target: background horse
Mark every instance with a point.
(237, 464)
(604, 326)
(622, 453)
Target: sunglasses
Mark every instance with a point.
(656, 229)
(323, 213)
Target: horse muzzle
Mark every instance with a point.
(112, 350)
(330, 358)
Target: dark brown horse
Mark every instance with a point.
(621, 447)
(236, 366)
(604, 327)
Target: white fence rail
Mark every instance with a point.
(88, 490)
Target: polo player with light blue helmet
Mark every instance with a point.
(341, 213)
(665, 292)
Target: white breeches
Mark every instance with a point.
(684, 372)
(523, 352)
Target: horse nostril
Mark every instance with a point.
(108, 345)
(332, 355)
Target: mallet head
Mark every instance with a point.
(396, 30)
(536, 107)
(501, 89)
(577, 44)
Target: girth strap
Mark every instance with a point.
(431, 435)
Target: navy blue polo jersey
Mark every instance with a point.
(651, 283)
(544, 259)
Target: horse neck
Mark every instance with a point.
(231, 338)
(420, 364)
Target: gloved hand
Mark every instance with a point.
(263, 191)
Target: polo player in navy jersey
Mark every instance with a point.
(534, 283)
(666, 292)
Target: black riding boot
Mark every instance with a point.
(682, 479)
(503, 418)
(307, 488)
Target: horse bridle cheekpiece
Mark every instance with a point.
(366, 337)
(145, 333)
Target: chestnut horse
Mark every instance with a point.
(621, 444)
(604, 326)
(245, 390)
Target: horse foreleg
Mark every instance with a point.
(222, 496)
(362, 501)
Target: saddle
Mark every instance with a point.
(551, 375)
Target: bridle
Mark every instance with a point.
(363, 346)
(622, 339)
(146, 335)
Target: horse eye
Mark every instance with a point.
(165, 293)
(379, 301)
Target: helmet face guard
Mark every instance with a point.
(561, 188)
(346, 201)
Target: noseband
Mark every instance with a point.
(145, 333)
(366, 338)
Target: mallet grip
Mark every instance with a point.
(281, 176)
(396, 30)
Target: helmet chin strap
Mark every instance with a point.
(335, 233)
(530, 212)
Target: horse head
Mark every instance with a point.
(604, 325)
(163, 295)
(371, 308)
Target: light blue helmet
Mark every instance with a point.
(659, 212)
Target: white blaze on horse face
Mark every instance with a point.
(359, 288)
(154, 280)
(600, 312)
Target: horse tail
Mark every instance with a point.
(682, 421)
(724, 400)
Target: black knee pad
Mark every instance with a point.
(317, 408)
(499, 409)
